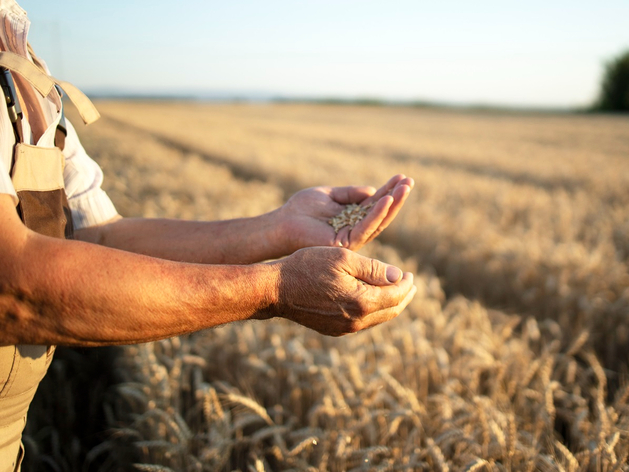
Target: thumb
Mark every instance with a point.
(374, 272)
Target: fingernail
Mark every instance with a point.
(393, 274)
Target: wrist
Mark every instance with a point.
(277, 234)
(266, 283)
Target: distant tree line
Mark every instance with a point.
(614, 94)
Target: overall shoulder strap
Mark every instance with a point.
(44, 84)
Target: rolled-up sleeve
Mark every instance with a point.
(83, 178)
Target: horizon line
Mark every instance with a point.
(366, 100)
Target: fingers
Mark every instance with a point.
(370, 226)
(377, 298)
(351, 194)
(342, 237)
(387, 314)
(336, 291)
(372, 271)
(367, 194)
(399, 195)
(384, 212)
(381, 304)
(385, 189)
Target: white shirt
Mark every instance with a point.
(83, 178)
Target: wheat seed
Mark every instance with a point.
(350, 216)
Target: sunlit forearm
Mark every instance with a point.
(55, 291)
(238, 241)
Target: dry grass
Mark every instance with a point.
(528, 215)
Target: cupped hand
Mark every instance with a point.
(306, 214)
(336, 291)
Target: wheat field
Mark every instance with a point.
(513, 356)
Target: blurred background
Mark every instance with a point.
(534, 55)
(513, 354)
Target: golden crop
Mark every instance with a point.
(513, 355)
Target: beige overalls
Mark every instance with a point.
(37, 176)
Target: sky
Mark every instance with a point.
(506, 53)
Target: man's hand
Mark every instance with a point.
(306, 214)
(301, 222)
(336, 291)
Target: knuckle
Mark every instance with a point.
(375, 269)
(344, 253)
(341, 255)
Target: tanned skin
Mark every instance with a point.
(138, 280)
